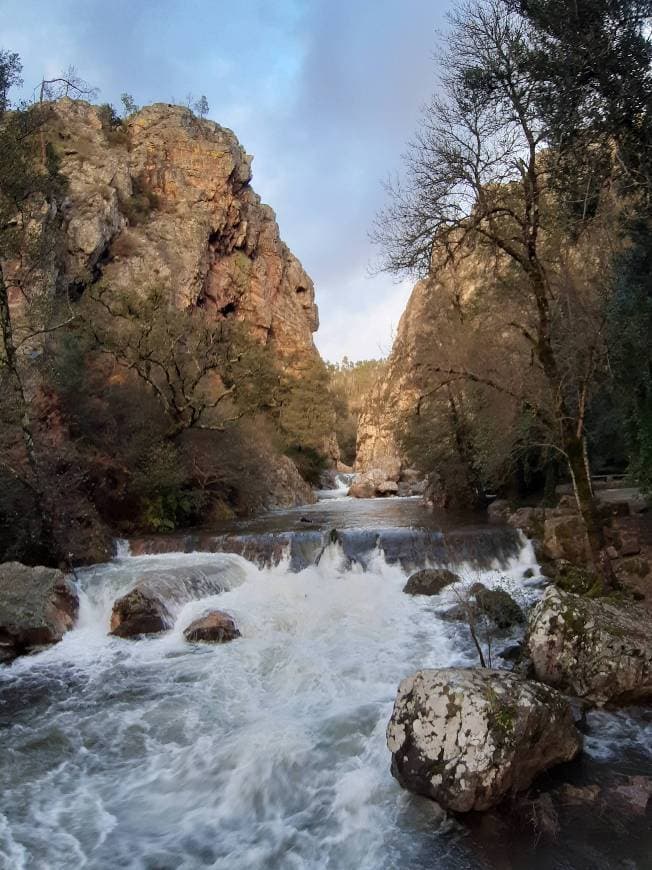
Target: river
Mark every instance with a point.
(269, 752)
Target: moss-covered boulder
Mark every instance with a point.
(595, 649)
(37, 606)
(469, 737)
(430, 581)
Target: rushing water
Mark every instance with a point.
(268, 752)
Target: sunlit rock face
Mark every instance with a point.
(168, 204)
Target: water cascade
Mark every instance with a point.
(268, 752)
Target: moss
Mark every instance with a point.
(579, 581)
(502, 715)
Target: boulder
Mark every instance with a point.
(362, 489)
(387, 487)
(498, 606)
(631, 795)
(597, 650)
(564, 537)
(430, 581)
(530, 520)
(499, 511)
(138, 613)
(469, 737)
(37, 606)
(215, 627)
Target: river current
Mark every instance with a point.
(269, 752)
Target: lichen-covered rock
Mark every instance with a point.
(597, 650)
(430, 581)
(469, 737)
(37, 606)
(215, 627)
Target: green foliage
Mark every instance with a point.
(306, 414)
(129, 104)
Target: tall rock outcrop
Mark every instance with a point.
(395, 394)
(164, 201)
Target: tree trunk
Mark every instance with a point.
(579, 468)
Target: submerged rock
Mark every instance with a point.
(597, 650)
(469, 737)
(37, 606)
(215, 627)
(430, 581)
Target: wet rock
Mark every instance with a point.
(631, 795)
(577, 796)
(597, 650)
(430, 581)
(498, 606)
(215, 627)
(37, 606)
(138, 613)
(151, 606)
(512, 653)
(537, 814)
(469, 737)
(499, 511)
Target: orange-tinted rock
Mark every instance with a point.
(138, 613)
(215, 627)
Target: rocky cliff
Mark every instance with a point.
(394, 395)
(164, 201)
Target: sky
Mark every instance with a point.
(324, 93)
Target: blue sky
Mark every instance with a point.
(323, 93)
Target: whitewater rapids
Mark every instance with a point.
(268, 752)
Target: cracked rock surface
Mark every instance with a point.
(468, 737)
(595, 649)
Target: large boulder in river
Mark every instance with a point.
(37, 606)
(597, 650)
(362, 489)
(469, 737)
(140, 612)
(215, 627)
(430, 581)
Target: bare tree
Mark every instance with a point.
(206, 373)
(477, 179)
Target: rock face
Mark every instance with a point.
(165, 203)
(468, 738)
(151, 606)
(215, 627)
(394, 395)
(37, 606)
(594, 649)
(430, 581)
(171, 205)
